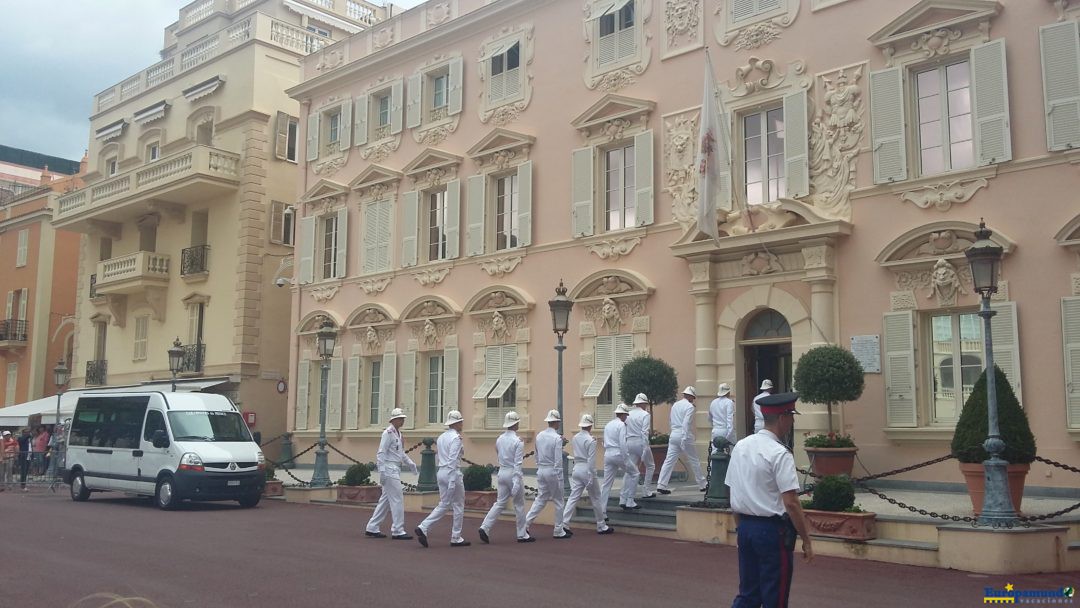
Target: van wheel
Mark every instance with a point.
(79, 491)
(250, 500)
(165, 496)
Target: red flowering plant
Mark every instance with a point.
(828, 440)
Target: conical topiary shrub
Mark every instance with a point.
(971, 429)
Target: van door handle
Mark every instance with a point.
(137, 453)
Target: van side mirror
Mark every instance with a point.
(257, 437)
(160, 439)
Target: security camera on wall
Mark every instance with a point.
(281, 282)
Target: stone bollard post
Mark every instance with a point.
(287, 451)
(427, 481)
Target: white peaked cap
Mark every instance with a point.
(621, 409)
(511, 419)
(397, 412)
(553, 416)
(766, 384)
(723, 390)
(586, 420)
(690, 391)
(641, 398)
(453, 417)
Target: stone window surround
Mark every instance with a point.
(378, 149)
(495, 162)
(508, 109)
(306, 331)
(433, 131)
(515, 311)
(756, 31)
(430, 330)
(150, 136)
(372, 328)
(620, 74)
(377, 183)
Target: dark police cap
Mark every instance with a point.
(781, 403)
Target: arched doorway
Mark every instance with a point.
(766, 350)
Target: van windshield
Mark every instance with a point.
(208, 426)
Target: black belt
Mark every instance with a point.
(771, 518)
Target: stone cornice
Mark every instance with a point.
(797, 235)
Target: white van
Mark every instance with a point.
(172, 446)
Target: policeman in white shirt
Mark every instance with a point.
(449, 450)
(681, 442)
(722, 415)
(549, 474)
(764, 497)
(584, 478)
(638, 424)
(390, 459)
(510, 451)
(617, 462)
(766, 390)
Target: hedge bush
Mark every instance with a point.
(477, 478)
(357, 475)
(830, 375)
(971, 428)
(833, 493)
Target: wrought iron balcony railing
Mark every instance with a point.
(13, 330)
(194, 356)
(194, 260)
(96, 372)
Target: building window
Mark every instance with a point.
(318, 30)
(434, 378)
(23, 248)
(439, 84)
(12, 380)
(763, 156)
(328, 235)
(112, 166)
(334, 127)
(507, 207)
(946, 142)
(610, 354)
(374, 367)
(282, 222)
(293, 135)
(204, 133)
(142, 328)
(436, 219)
(377, 217)
(956, 361)
(499, 389)
(153, 151)
(505, 82)
(619, 190)
(617, 37)
(382, 109)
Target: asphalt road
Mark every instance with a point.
(56, 553)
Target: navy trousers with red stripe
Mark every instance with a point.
(764, 565)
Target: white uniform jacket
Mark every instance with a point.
(682, 418)
(759, 419)
(510, 450)
(638, 423)
(584, 446)
(615, 440)
(722, 417)
(391, 457)
(549, 449)
(760, 471)
(450, 449)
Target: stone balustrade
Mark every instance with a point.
(145, 265)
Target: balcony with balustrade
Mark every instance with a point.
(132, 273)
(14, 333)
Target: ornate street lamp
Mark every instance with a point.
(325, 341)
(560, 323)
(984, 256)
(61, 376)
(176, 360)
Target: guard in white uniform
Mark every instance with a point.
(390, 459)
(449, 450)
(681, 442)
(584, 477)
(638, 424)
(510, 451)
(766, 390)
(722, 415)
(549, 474)
(617, 462)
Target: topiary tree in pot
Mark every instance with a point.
(479, 494)
(657, 379)
(356, 486)
(972, 430)
(832, 511)
(830, 375)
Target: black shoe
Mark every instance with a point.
(484, 537)
(664, 492)
(567, 531)
(633, 508)
(605, 519)
(463, 543)
(528, 539)
(609, 530)
(622, 506)
(653, 495)
(704, 490)
(563, 537)
(420, 536)
(374, 534)
(402, 537)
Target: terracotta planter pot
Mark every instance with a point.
(480, 500)
(974, 475)
(274, 487)
(659, 453)
(832, 461)
(358, 495)
(848, 526)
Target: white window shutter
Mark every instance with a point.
(371, 237)
(281, 135)
(990, 103)
(1070, 331)
(492, 369)
(386, 225)
(333, 399)
(474, 234)
(307, 250)
(345, 139)
(456, 86)
(312, 137)
(723, 173)
(303, 379)
(10, 305)
(796, 145)
(624, 352)
(23, 247)
(888, 139)
(453, 219)
(603, 364)
(1006, 344)
(408, 387)
(643, 178)
(743, 9)
(24, 297)
(397, 103)
(1059, 45)
(352, 394)
(451, 359)
(342, 252)
(411, 202)
(388, 394)
(508, 374)
(412, 110)
(900, 385)
(524, 175)
(582, 191)
(360, 121)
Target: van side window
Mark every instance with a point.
(108, 422)
(154, 422)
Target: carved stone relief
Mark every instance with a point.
(499, 267)
(438, 13)
(759, 75)
(819, 256)
(936, 43)
(1002, 294)
(381, 150)
(902, 300)
(614, 248)
(754, 34)
(942, 196)
(430, 333)
(324, 294)
(609, 314)
(944, 281)
(437, 133)
(329, 167)
(699, 271)
(428, 278)
(835, 132)
(499, 299)
(1075, 281)
(375, 286)
(683, 31)
(680, 165)
(611, 285)
(385, 36)
(371, 316)
(943, 242)
(758, 218)
(331, 58)
(759, 263)
(620, 75)
(501, 326)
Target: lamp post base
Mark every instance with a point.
(566, 475)
(997, 507)
(320, 478)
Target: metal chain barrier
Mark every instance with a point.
(1030, 519)
(924, 512)
(418, 444)
(280, 466)
(272, 440)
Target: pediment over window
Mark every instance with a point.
(314, 320)
(501, 298)
(322, 189)
(195, 298)
(931, 242)
(433, 166)
(1069, 236)
(613, 112)
(430, 308)
(612, 284)
(371, 315)
(376, 175)
(501, 145)
(931, 16)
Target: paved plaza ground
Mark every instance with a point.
(56, 552)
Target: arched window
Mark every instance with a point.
(768, 324)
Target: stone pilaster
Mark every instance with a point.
(251, 239)
(703, 289)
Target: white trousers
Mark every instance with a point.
(615, 466)
(680, 445)
(639, 453)
(584, 478)
(511, 487)
(549, 483)
(451, 497)
(391, 502)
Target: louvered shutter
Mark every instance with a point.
(277, 222)
(23, 247)
(723, 173)
(1059, 46)
(360, 121)
(342, 253)
(307, 250)
(1006, 344)
(385, 235)
(409, 228)
(990, 103)
(397, 100)
(333, 399)
(796, 145)
(742, 10)
(345, 138)
(492, 369)
(451, 358)
(1070, 332)
(900, 403)
(371, 237)
(507, 370)
(627, 42)
(524, 178)
(24, 298)
(408, 387)
(624, 352)
(352, 394)
(453, 219)
(643, 178)
(281, 135)
(474, 235)
(607, 50)
(603, 363)
(388, 394)
(582, 191)
(10, 306)
(457, 85)
(303, 380)
(887, 135)
(312, 137)
(412, 110)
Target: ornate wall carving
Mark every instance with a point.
(683, 27)
(835, 132)
(680, 165)
(324, 294)
(943, 196)
(428, 278)
(753, 34)
(499, 267)
(936, 42)
(902, 300)
(620, 75)
(944, 281)
(615, 247)
(759, 263)
(505, 111)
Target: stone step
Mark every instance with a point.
(641, 516)
(581, 521)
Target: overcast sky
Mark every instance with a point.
(49, 75)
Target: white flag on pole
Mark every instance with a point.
(711, 157)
